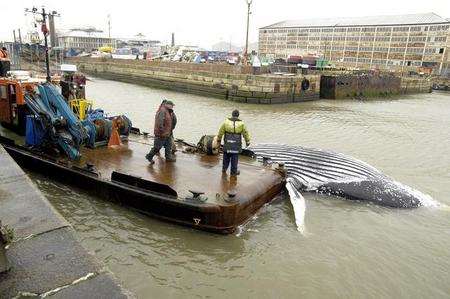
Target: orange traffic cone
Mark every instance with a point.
(114, 140)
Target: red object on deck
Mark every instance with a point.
(114, 140)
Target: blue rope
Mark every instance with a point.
(56, 102)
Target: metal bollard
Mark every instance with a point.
(197, 195)
(231, 196)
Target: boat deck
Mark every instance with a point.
(162, 190)
(191, 171)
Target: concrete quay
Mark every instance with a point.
(45, 257)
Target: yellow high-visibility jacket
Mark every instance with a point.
(233, 125)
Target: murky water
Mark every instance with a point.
(350, 249)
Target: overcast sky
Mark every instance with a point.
(200, 22)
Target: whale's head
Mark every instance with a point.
(380, 191)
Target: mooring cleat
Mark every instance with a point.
(231, 196)
(197, 195)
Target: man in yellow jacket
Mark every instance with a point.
(232, 131)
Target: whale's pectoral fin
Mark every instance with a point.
(298, 204)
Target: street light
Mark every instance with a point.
(44, 30)
(249, 4)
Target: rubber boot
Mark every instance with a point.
(149, 158)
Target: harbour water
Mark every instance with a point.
(350, 249)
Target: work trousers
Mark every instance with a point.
(160, 143)
(174, 147)
(232, 159)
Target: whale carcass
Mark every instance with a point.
(336, 174)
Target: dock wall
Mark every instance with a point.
(441, 83)
(45, 257)
(371, 86)
(411, 85)
(235, 83)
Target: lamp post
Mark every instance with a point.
(45, 31)
(249, 4)
(109, 30)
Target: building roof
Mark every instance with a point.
(83, 32)
(138, 40)
(410, 19)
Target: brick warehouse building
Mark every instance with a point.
(398, 43)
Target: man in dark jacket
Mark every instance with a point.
(5, 63)
(165, 122)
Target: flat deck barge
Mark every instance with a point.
(168, 191)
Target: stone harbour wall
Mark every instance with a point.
(441, 83)
(415, 85)
(233, 83)
(370, 86)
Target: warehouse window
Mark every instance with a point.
(401, 29)
(384, 29)
(429, 64)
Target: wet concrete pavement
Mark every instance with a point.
(45, 256)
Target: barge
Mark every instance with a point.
(192, 191)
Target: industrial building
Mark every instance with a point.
(86, 39)
(139, 44)
(416, 42)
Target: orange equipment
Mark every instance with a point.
(12, 103)
(114, 140)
